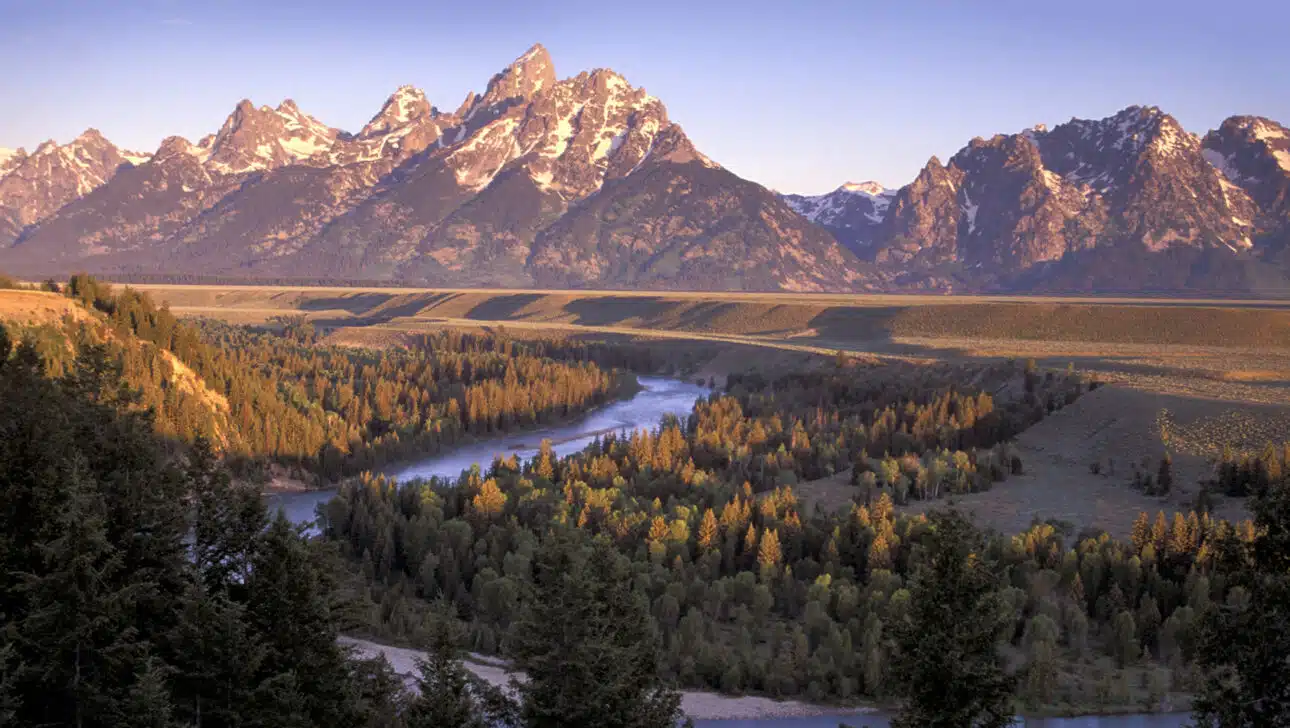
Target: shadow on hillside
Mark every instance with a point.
(373, 308)
(614, 310)
(1123, 364)
(866, 324)
(503, 307)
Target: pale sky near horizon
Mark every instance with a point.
(797, 96)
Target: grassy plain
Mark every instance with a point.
(1217, 371)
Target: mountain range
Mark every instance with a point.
(585, 182)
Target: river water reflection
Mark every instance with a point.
(658, 397)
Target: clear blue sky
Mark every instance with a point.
(799, 96)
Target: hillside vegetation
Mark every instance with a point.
(273, 396)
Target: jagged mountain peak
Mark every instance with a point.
(90, 136)
(521, 79)
(173, 146)
(852, 212)
(870, 188)
(407, 104)
(933, 165)
(1252, 129)
(586, 181)
(258, 139)
(1252, 153)
(10, 159)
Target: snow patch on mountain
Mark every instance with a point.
(970, 211)
(476, 162)
(870, 188)
(1221, 163)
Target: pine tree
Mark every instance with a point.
(75, 627)
(149, 704)
(219, 662)
(227, 521)
(446, 691)
(948, 665)
(10, 701)
(1245, 643)
(598, 669)
(1165, 475)
(289, 607)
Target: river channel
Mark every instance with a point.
(657, 397)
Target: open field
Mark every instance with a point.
(1117, 428)
(1216, 349)
(819, 319)
(32, 308)
(1217, 371)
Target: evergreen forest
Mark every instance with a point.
(144, 583)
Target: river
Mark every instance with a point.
(1168, 720)
(658, 397)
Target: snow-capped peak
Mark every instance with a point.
(848, 202)
(406, 104)
(256, 139)
(10, 159)
(870, 188)
(405, 98)
(524, 77)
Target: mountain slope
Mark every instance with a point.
(586, 181)
(852, 212)
(1129, 202)
(34, 186)
(478, 196)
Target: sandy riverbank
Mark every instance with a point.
(696, 704)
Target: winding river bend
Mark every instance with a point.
(658, 397)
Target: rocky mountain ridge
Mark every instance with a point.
(1131, 202)
(495, 193)
(586, 182)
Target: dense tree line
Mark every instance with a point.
(751, 593)
(110, 616)
(264, 395)
(141, 586)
